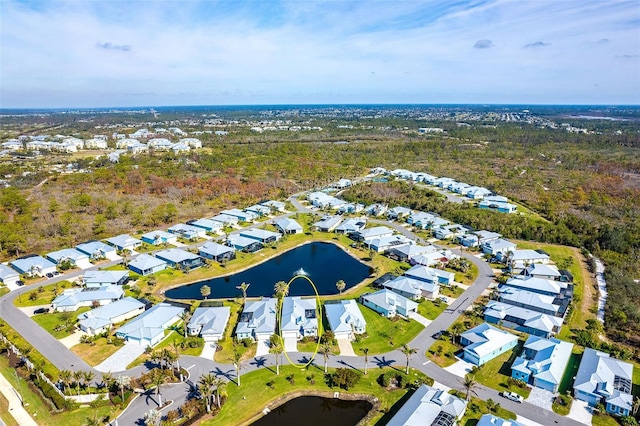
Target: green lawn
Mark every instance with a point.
(384, 334)
(604, 420)
(442, 352)
(451, 291)
(95, 353)
(43, 295)
(570, 372)
(562, 408)
(4, 290)
(254, 395)
(50, 322)
(41, 411)
(5, 416)
(495, 373)
(431, 309)
(477, 407)
(35, 356)
(226, 345)
(171, 337)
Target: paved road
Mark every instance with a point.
(62, 358)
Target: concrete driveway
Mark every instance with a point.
(123, 357)
(460, 368)
(263, 347)
(72, 340)
(581, 412)
(541, 397)
(345, 347)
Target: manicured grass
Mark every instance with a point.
(466, 278)
(495, 373)
(171, 337)
(35, 356)
(604, 420)
(451, 291)
(254, 395)
(442, 352)
(570, 372)
(384, 334)
(226, 345)
(95, 353)
(430, 309)
(564, 408)
(3, 291)
(309, 346)
(42, 412)
(477, 407)
(5, 416)
(54, 320)
(44, 295)
(636, 379)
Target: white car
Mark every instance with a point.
(512, 396)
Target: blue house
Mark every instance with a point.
(248, 245)
(217, 252)
(33, 266)
(159, 237)
(485, 342)
(208, 225)
(146, 264)
(430, 275)
(97, 250)
(602, 379)
(180, 259)
(542, 362)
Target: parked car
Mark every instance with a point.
(512, 396)
(41, 311)
(19, 283)
(56, 273)
(49, 275)
(444, 299)
(437, 335)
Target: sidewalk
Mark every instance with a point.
(15, 406)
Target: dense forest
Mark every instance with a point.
(585, 188)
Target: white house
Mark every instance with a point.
(124, 242)
(389, 303)
(102, 278)
(101, 319)
(258, 320)
(75, 257)
(148, 328)
(299, 318)
(33, 266)
(485, 342)
(74, 298)
(345, 318)
(8, 276)
(159, 237)
(97, 250)
(209, 323)
(288, 226)
(429, 406)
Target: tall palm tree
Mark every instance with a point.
(126, 255)
(157, 379)
(276, 349)
(78, 377)
(341, 285)
(107, 380)
(122, 382)
(456, 329)
(326, 350)
(407, 351)
(65, 377)
(281, 289)
(88, 376)
(244, 287)
(205, 386)
(185, 316)
(237, 364)
(176, 351)
(220, 385)
(365, 351)
(469, 383)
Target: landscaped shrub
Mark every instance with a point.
(52, 394)
(345, 378)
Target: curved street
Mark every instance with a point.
(62, 358)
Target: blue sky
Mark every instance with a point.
(104, 53)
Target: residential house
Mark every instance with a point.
(429, 406)
(421, 220)
(375, 209)
(441, 256)
(247, 245)
(522, 319)
(188, 232)
(540, 285)
(372, 233)
(540, 270)
(137, 148)
(148, 329)
(33, 266)
(322, 200)
(328, 223)
(443, 182)
(351, 225)
(389, 303)
(243, 216)
(398, 213)
(76, 258)
(298, 318)
(406, 252)
(448, 232)
(180, 259)
(146, 264)
(345, 318)
(191, 142)
(531, 300)
(342, 184)
(74, 298)
(430, 275)
(499, 247)
(258, 320)
(8, 276)
(259, 210)
(102, 278)
(124, 242)
(126, 143)
(485, 342)
(275, 206)
(95, 144)
(498, 206)
(520, 259)
(218, 252)
(459, 187)
(606, 380)
(12, 145)
(226, 219)
(159, 237)
(101, 319)
(160, 144)
(477, 238)
(261, 235)
(288, 226)
(209, 323)
(477, 192)
(542, 362)
(209, 225)
(413, 288)
(384, 244)
(491, 420)
(97, 250)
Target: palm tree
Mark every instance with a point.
(65, 377)
(341, 285)
(236, 363)
(407, 351)
(365, 351)
(125, 254)
(185, 316)
(276, 349)
(244, 287)
(205, 386)
(176, 351)
(78, 377)
(158, 378)
(326, 350)
(456, 329)
(281, 289)
(469, 383)
(123, 381)
(107, 380)
(205, 291)
(220, 385)
(88, 376)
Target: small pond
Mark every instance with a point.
(324, 263)
(316, 411)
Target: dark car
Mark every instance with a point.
(437, 335)
(20, 283)
(55, 273)
(41, 311)
(49, 275)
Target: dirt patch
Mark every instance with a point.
(589, 294)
